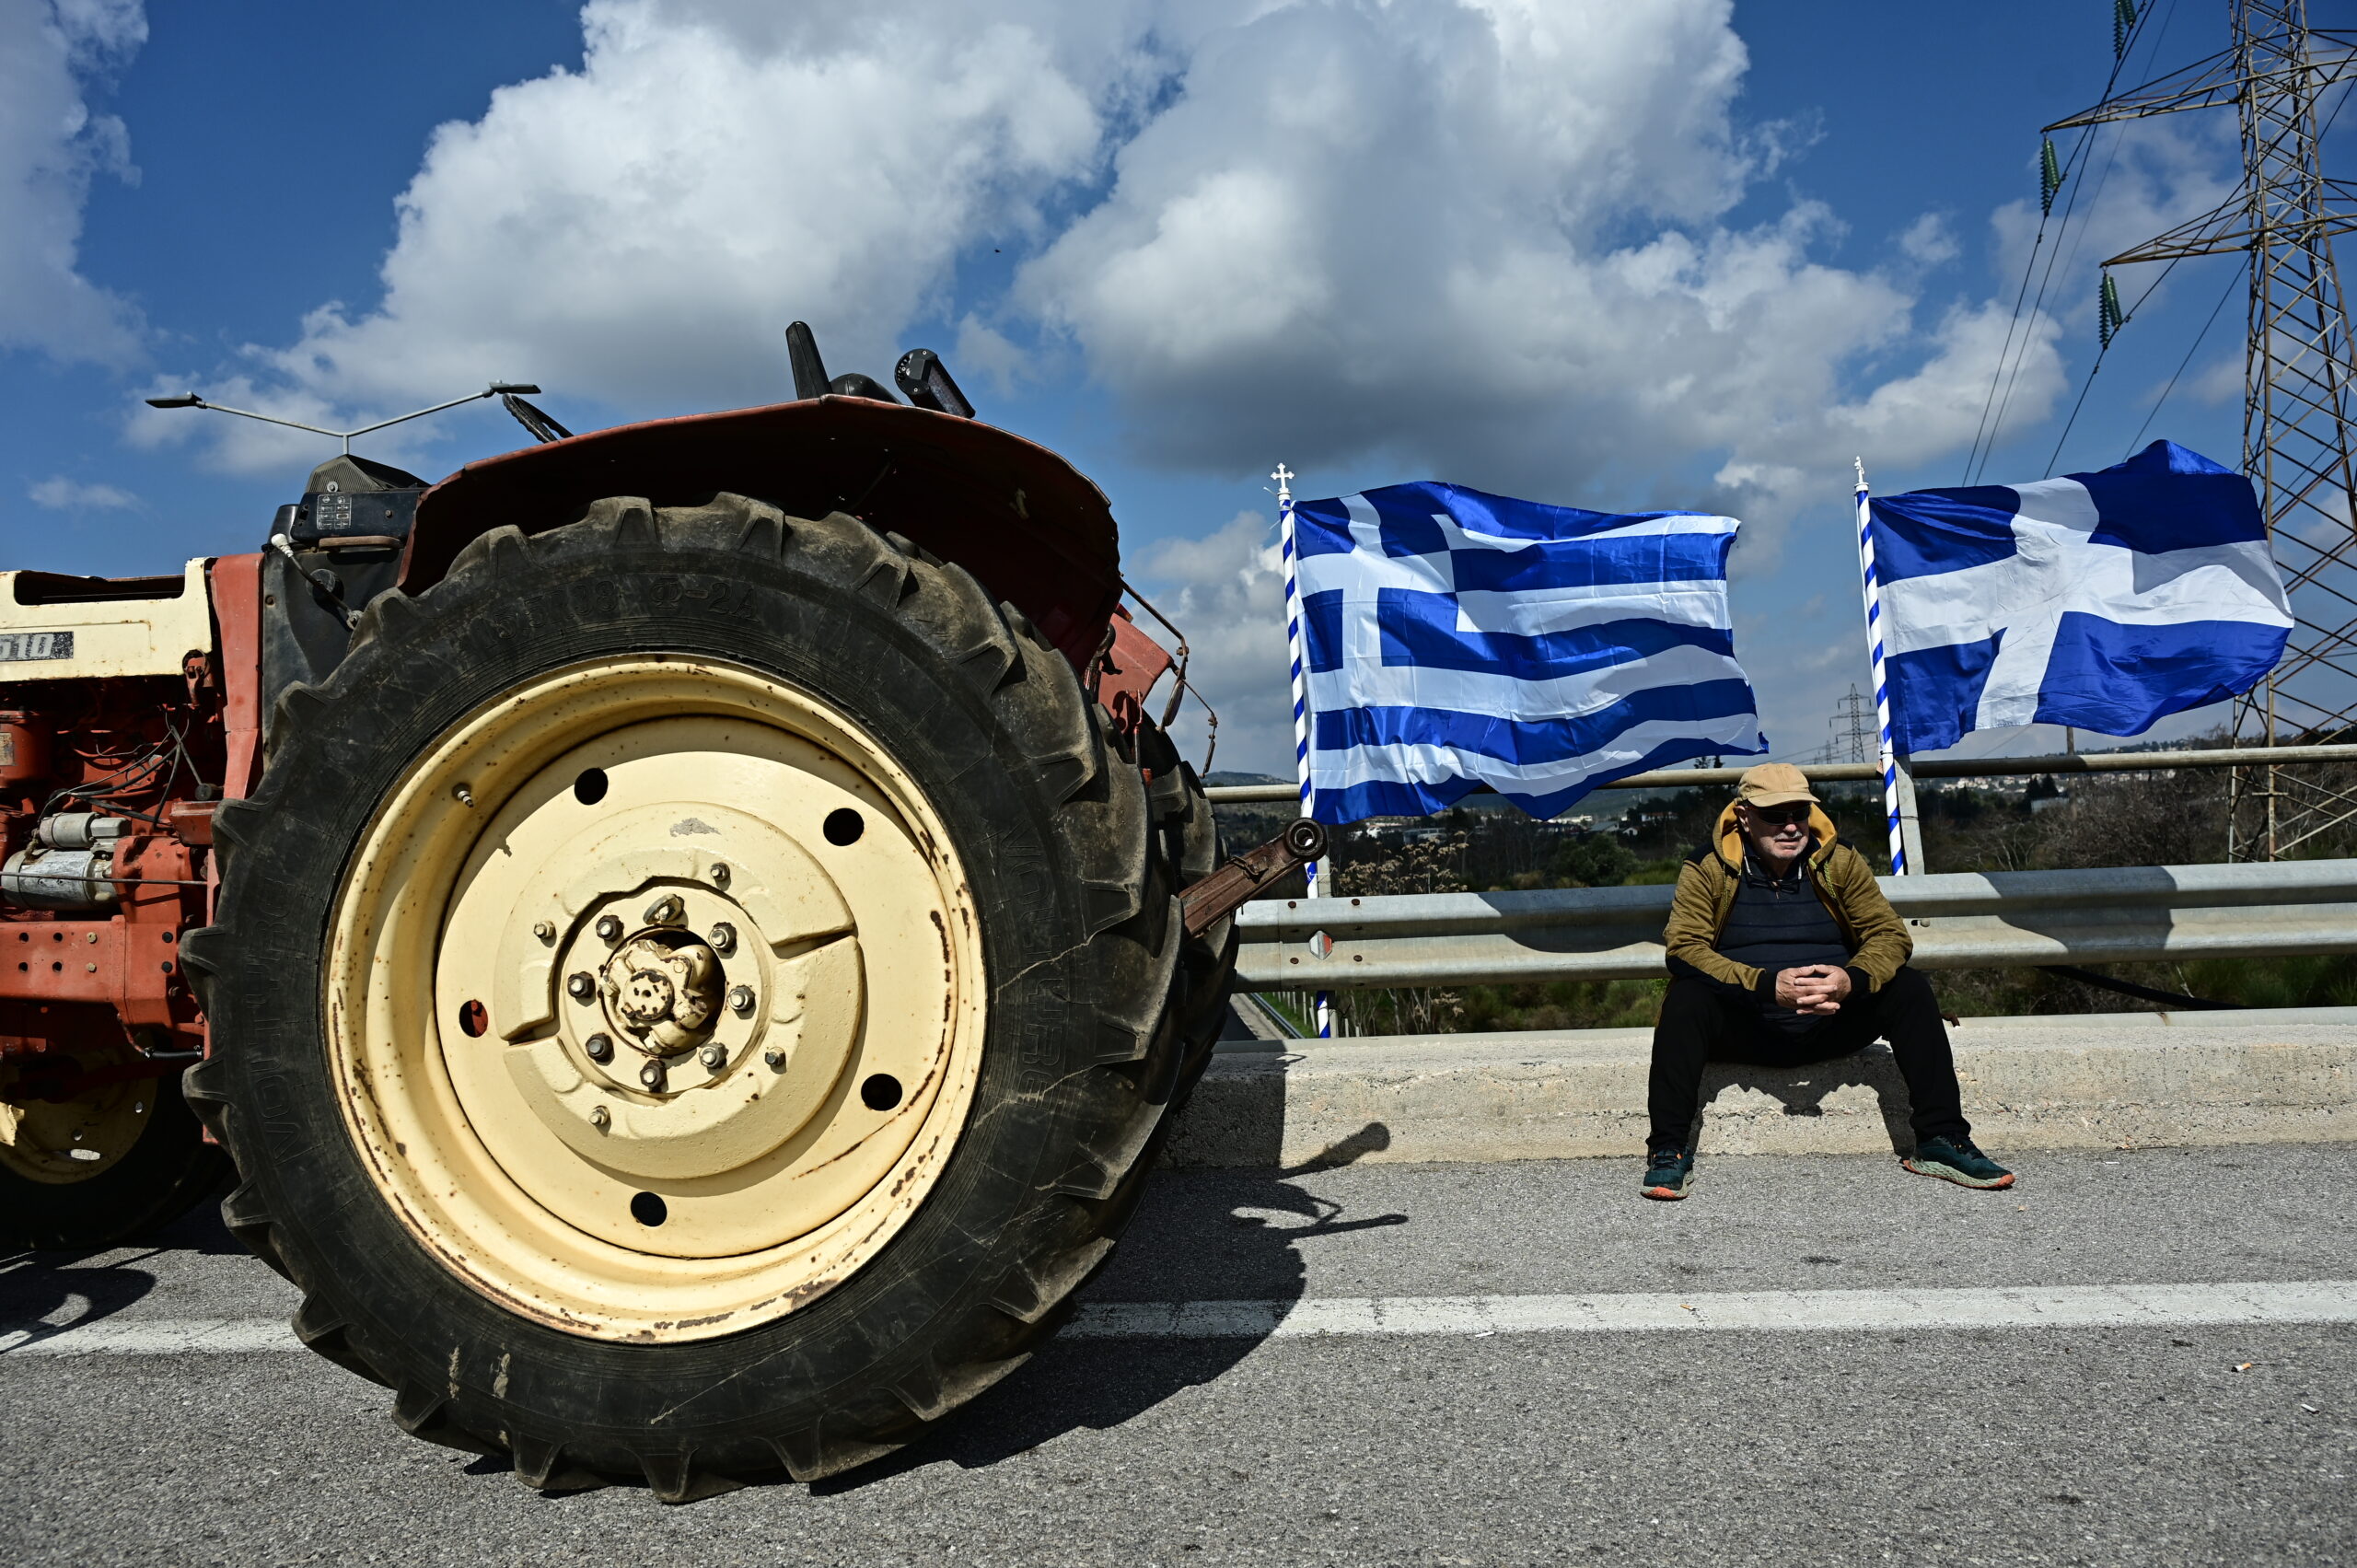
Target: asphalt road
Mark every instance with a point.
(2158, 1443)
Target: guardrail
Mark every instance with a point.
(1959, 920)
(1923, 768)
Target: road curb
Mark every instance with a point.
(2098, 1081)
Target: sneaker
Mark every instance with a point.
(1668, 1173)
(1957, 1160)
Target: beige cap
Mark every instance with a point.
(1774, 784)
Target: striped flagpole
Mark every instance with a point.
(1284, 478)
(1884, 752)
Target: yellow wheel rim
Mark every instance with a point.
(654, 993)
(59, 1142)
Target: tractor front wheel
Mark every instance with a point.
(694, 995)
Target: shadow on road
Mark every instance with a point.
(44, 1294)
(1223, 1234)
(1202, 1236)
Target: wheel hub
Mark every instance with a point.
(661, 991)
(695, 1095)
(640, 1062)
(60, 1142)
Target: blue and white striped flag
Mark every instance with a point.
(2105, 600)
(1455, 638)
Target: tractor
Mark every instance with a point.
(687, 934)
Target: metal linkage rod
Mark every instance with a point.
(190, 400)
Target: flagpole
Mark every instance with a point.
(1324, 1019)
(1898, 780)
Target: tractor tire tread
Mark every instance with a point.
(1134, 956)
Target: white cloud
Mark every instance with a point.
(62, 495)
(1482, 239)
(2139, 180)
(1225, 590)
(1486, 240)
(641, 231)
(2222, 380)
(1475, 237)
(51, 145)
(1928, 240)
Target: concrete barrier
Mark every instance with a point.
(2107, 1080)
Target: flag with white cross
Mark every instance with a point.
(2104, 601)
(1453, 638)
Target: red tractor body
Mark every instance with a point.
(131, 707)
(704, 887)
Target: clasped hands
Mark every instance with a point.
(1813, 989)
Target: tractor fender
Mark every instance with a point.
(1027, 524)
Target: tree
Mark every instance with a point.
(1593, 860)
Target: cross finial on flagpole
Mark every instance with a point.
(1284, 478)
(1861, 462)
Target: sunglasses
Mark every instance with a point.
(1783, 816)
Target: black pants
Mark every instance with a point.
(1701, 1022)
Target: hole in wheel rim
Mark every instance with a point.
(880, 1092)
(589, 787)
(474, 1019)
(844, 826)
(649, 1210)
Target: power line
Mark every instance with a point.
(1979, 454)
(2150, 290)
(2088, 385)
(2214, 310)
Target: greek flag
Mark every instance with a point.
(2107, 600)
(1453, 638)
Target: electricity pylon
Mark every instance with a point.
(1858, 709)
(2297, 391)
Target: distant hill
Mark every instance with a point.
(1224, 779)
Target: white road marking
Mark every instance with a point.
(168, 1336)
(1473, 1317)
(2026, 1307)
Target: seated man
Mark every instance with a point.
(1784, 951)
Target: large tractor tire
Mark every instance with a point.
(101, 1167)
(696, 992)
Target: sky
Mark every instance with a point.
(1690, 254)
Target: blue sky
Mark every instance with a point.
(1619, 256)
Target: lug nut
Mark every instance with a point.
(740, 998)
(579, 986)
(609, 929)
(544, 930)
(652, 1076)
(776, 1057)
(715, 1056)
(599, 1117)
(600, 1048)
(665, 911)
(720, 874)
(723, 938)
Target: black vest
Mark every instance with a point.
(1779, 924)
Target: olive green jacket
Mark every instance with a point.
(1839, 875)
